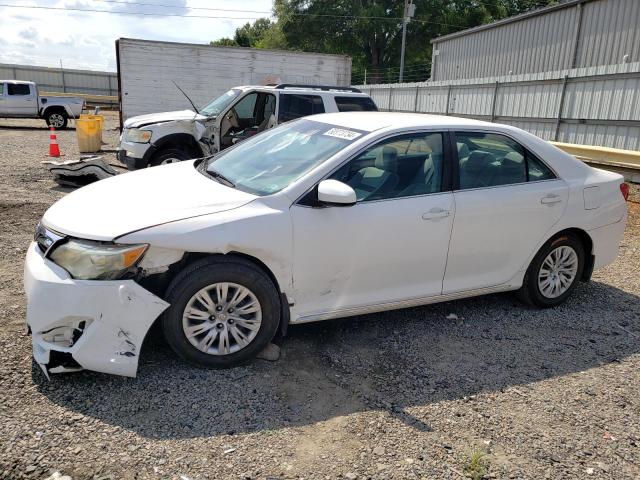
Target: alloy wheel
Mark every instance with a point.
(558, 271)
(222, 318)
(56, 120)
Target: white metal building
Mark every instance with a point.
(574, 34)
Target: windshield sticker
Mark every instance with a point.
(342, 133)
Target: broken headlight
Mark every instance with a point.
(136, 135)
(86, 260)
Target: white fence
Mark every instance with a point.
(63, 80)
(590, 106)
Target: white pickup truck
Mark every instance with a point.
(20, 99)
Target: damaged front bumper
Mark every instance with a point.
(135, 155)
(85, 324)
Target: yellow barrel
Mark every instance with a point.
(99, 118)
(88, 132)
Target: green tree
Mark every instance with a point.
(263, 33)
(370, 30)
(224, 42)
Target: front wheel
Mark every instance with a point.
(554, 272)
(223, 312)
(57, 119)
(169, 155)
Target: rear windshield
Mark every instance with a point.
(355, 104)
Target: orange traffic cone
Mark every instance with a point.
(54, 149)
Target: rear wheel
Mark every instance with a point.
(57, 119)
(223, 312)
(554, 272)
(169, 155)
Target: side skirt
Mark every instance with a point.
(411, 302)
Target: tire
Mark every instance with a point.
(57, 119)
(204, 274)
(535, 291)
(169, 155)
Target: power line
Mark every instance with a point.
(253, 17)
(165, 5)
(538, 4)
(119, 12)
(385, 69)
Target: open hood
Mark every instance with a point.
(142, 120)
(133, 201)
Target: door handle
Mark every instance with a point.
(435, 213)
(550, 199)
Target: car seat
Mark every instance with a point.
(371, 182)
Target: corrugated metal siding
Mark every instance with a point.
(601, 104)
(433, 99)
(529, 100)
(609, 30)
(472, 101)
(533, 45)
(607, 99)
(51, 79)
(616, 136)
(148, 69)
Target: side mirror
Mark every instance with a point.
(333, 192)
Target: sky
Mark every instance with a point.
(86, 40)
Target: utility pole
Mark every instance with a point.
(409, 12)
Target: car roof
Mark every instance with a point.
(272, 88)
(17, 81)
(371, 121)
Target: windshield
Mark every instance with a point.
(220, 103)
(271, 161)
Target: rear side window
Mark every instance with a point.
(295, 106)
(18, 89)
(491, 160)
(355, 104)
(538, 170)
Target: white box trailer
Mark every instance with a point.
(147, 70)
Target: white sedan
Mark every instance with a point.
(324, 217)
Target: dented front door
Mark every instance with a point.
(370, 253)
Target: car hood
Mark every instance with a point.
(133, 201)
(142, 120)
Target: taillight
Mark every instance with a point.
(624, 189)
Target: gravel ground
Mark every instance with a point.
(405, 394)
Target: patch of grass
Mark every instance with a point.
(478, 465)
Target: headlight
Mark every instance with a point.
(86, 260)
(136, 135)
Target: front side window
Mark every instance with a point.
(491, 160)
(355, 104)
(267, 163)
(402, 166)
(245, 108)
(294, 106)
(18, 89)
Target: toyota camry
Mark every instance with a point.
(324, 217)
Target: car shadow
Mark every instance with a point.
(390, 361)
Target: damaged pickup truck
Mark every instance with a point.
(240, 113)
(324, 217)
